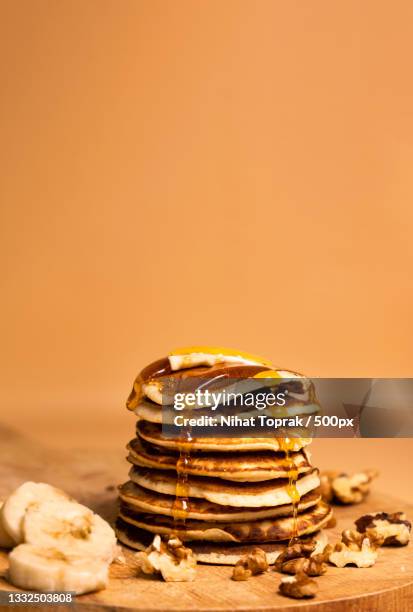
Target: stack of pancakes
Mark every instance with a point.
(220, 495)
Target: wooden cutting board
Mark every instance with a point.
(92, 477)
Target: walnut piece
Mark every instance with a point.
(171, 559)
(354, 550)
(394, 529)
(294, 551)
(257, 561)
(298, 586)
(311, 566)
(344, 488)
(354, 539)
(294, 566)
(303, 557)
(250, 565)
(241, 573)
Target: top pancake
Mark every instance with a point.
(241, 467)
(152, 433)
(154, 381)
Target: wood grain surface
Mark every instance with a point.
(92, 477)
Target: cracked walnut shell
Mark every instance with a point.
(345, 488)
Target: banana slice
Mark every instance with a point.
(71, 528)
(49, 569)
(27, 495)
(6, 541)
(192, 356)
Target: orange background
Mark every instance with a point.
(187, 172)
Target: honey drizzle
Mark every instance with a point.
(287, 445)
(180, 508)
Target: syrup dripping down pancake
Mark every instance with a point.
(264, 530)
(227, 493)
(241, 467)
(142, 500)
(152, 433)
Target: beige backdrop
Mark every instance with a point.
(222, 172)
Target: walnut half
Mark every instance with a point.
(310, 566)
(354, 549)
(354, 539)
(250, 565)
(303, 557)
(294, 551)
(240, 572)
(298, 586)
(345, 488)
(171, 559)
(394, 528)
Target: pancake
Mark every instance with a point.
(230, 554)
(154, 381)
(241, 467)
(265, 530)
(226, 493)
(149, 411)
(211, 552)
(151, 381)
(152, 433)
(142, 500)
